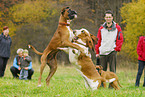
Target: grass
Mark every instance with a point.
(67, 82)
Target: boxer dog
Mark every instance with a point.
(61, 38)
(109, 75)
(83, 62)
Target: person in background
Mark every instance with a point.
(25, 61)
(110, 40)
(5, 44)
(141, 60)
(15, 69)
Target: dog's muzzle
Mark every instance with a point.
(72, 14)
(76, 38)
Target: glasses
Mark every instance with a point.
(108, 17)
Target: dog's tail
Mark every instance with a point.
(119, 83)
(37, 52)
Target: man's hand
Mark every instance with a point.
(97, 55)
(26, 68)
(19, 68)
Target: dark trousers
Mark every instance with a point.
(111, 59)
(141, 65)
(3, 63)
(98, 62)
(15, 72)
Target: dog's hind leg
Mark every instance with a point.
(99, 84)
(43, 64)
(119, 83)
(116, 85)
(112, 85)
(53, 67)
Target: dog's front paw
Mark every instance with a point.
(59, 48)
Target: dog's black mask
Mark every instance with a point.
(71, 14)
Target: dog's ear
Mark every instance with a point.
(89, 43)
(63, 10)
(94, 38)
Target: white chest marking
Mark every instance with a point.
(73, 57)
(70, 33)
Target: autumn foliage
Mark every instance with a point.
(133, 15)
(35, 21)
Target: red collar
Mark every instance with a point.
(64, 24)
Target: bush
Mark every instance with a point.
(133, 15)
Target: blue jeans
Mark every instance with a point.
(141, 65)
(23, 74)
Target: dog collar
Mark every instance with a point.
(65, 24)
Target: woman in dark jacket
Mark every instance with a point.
(5, 44)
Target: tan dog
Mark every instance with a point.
(83, 61)
(109, 75)
(62, 38)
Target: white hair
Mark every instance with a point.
(19, 50)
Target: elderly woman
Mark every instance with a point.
(15, 69)
(5, 44)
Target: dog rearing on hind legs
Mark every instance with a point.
(61, 38)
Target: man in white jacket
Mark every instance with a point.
(110, 41)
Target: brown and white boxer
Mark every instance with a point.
(83, 62)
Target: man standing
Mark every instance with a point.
(110, 39)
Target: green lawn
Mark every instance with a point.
(67, 82)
